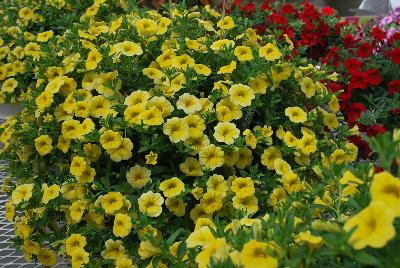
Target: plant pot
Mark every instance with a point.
(345, 7)
(7, 109)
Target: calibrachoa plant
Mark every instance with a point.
(27, 24)
(311, 30)
(367, 64)
(141, 131)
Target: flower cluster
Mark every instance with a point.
(25, 25)
(367, 64)
(311, 30)
(141, 126)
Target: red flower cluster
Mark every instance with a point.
(310, 29)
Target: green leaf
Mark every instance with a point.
(365, 258)
(172, 237)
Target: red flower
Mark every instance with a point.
(277, 19)
(374, 77)
(328, 11)
(359, 80)
(266, 5)
(237, 2)
(395, 55)
(378, 34)
(394, 86)
(349, 41)
(395, 37)
(288, 8)
(248, 8)
(365, 50)
(372, 131)
(353, 65)
(354, 111)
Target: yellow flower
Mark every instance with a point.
(211, 157)
(350, 179)
(151, 158)
(10, 211)
(243, 187)
(172, 187)
(308, 87)
(311, 240)
(147, 250)
(226, 23)
(78, 166)
(211, 201)
(202, 69)
(124, 263)
(190, 104)
(200, 237)
(338, 156)
(269, 156)
(307, 144)
(374, 226)
(250, 138)
(122, 225)
(45, 36)
(76, 210)
(217, 183)
(255, 254)
(176, 206)
(330, 121)
(333, 104)
(291, 183)
(138, 176)
(74, 242)
(176, 129)
(43, 144)
(50, 193)
(227, 69)
(241, 95)
(217, 250)
(47, 257)
(122, 152)
(79, 258)
(151, 204)
(277, 197)
(226, 132)
(270, 52)
(114, 250)
(146, 27)
(9, 85)
(23, 192)
(191, 167)
(386, 189)
(296, 114)
(248, 204)
(163, 24)
(70, 129)
(93, 59)
(259, 84)
(196, 125)
(128, 48)
(222, 44)
(110, 140)
(290, 139)
(282, 167)
(111, 202)
(243, 53)
(87, 175)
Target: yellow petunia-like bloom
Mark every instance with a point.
(43, 144)
(112, 202)
(172, 187)
(270, 52)
(110, 140)
(146, 27)
(190, 104)
(176, 129)
(50, 193)
(255, 254)
(296, 114)
(79, 258)
(74, 242)
(114, 250)
(226, 132)
(200, 237)
(243, 187)
(151, 204)
(227, 69)
(241, 95)
(23, 192)
(373, 226)
(122, 225)
(138, 176)
(269, 156)
(45, 36)
(243, 53)
(47, 257)
(386, 189)
(211, 157)
(128, 48)
(308, 87)
(226, 23)
(78, 166)
(93, 59)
